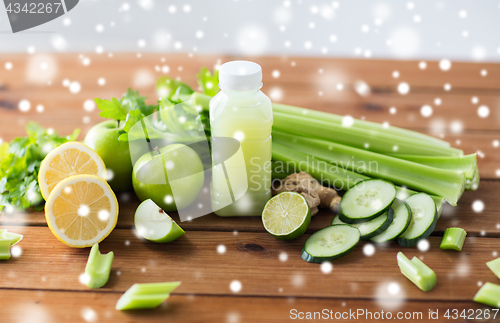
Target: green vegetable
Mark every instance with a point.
(208, 82)
(489, 294)
(7, 240)
(98, 267)
(366, 200)
(13, 237)
(358, 124)
(401, 221)
(140, 296)
(359, 138)
(472, 185)
(466, 164)
(4, 249)
(19, 164)
(423, 221)
(330, 243)
(417, 272)
(453, 238)
(446, 183)
(494, 265)
(111, 109)
(371, 228)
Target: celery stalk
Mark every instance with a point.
(7, 240)
(293, 119)
(13, 237)
(453, 238)
(446, 183)
(358, 124)
(5, 249)
(489, 294)
(494, 265)
(466, 164)
(145, 295)
(288, 161)
(472, 185)
(359, 138)
(417, 272)
(98, 267)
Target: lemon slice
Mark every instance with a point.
(71, 158)
(81, 210)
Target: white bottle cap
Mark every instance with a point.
(240, 76)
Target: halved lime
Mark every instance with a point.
(286, 216)
(154, 224)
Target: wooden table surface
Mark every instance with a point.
(42, 285)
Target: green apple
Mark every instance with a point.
(151, 180)
(103, 138)
(153, 224)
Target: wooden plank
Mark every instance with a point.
(292, 69)
(54, 306)
(251, 258)
(486, 222)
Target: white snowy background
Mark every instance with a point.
(459, 30)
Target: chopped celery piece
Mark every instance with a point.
(357, 137)
(98, 267)
(417, 272)
(494, 265)
(145, 295)
(7, 240)
(449, 184)
(453, 239)
(466, 164)
(4, 249)
(13, 237)
(356, 123)
(489, 294)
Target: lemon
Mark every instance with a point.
(71, 158)
(81, 210)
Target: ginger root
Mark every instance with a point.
(315, 194)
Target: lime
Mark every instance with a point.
(154, 224)
(286, 216)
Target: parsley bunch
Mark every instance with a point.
(20, 162)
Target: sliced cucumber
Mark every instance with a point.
(373, 227)
(423, 222)
(400, 222)
(330, 243)
(366, 200)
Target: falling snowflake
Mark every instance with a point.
(478, 206)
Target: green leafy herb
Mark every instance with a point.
(208, 82)
(20, 162)
(111, 109)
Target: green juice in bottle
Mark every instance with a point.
(241, 184)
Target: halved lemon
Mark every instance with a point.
(81, 210)
(71, 158)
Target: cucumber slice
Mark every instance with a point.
(330, 243)
(400, 222)
(373, 227)
(366, 200)
(423, 222)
